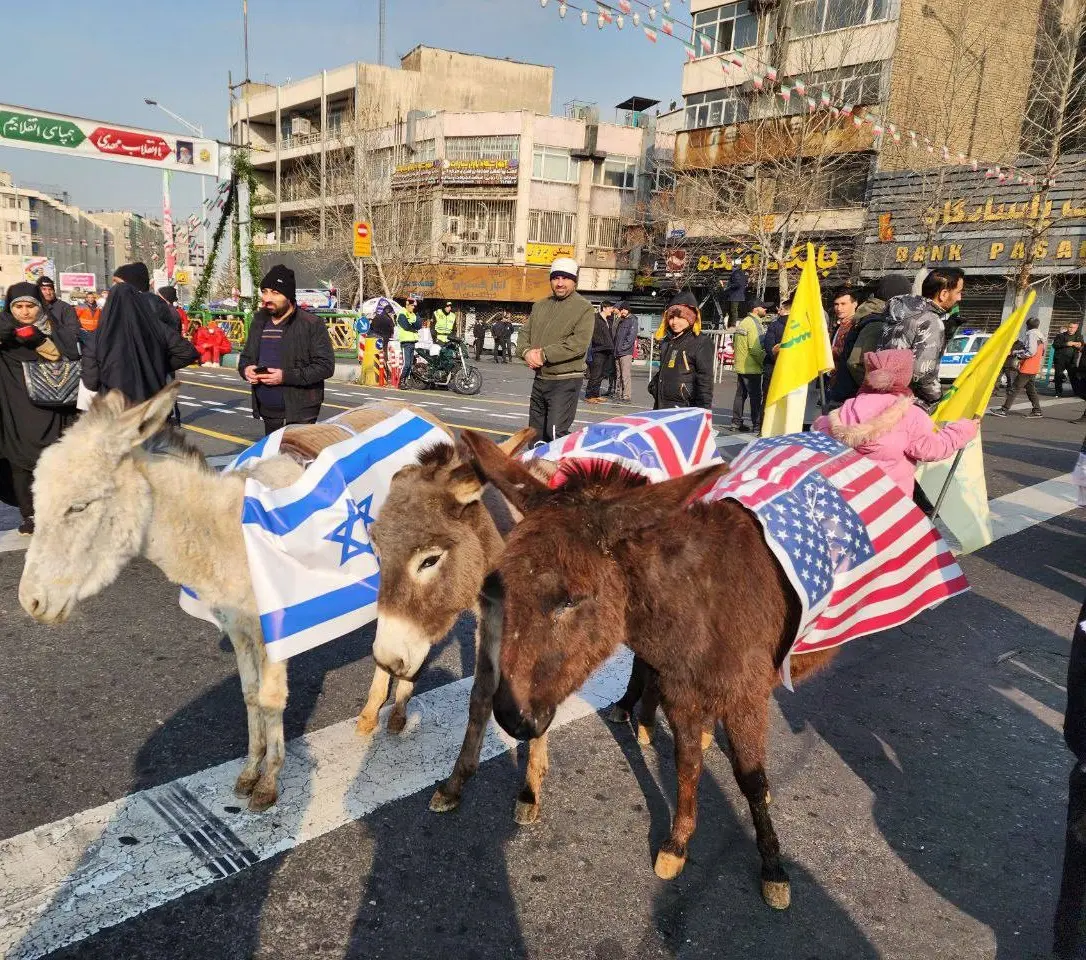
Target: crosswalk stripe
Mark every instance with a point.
(156, 845)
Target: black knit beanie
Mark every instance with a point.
(280, 279)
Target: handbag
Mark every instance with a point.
(52, 383)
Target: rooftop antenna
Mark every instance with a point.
(381, 32)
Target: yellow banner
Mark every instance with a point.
(970, 393)
(805, 353)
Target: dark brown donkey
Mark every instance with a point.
(607, 559)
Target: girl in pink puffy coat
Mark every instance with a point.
(884, 423)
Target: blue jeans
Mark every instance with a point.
(408, 348)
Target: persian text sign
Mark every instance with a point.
(78, 281)
(544, 254)
(74, 136)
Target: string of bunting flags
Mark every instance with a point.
(766, 76)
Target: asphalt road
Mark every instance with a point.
(919, 785)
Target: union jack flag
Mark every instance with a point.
(661, 444)
(860, 555)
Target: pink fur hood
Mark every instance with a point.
(895, 433)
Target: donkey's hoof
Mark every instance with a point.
(366, 724)
(443, 803)
(263, 797)
(618, 714)
(777, 893)
(526, 813)
(644, 734)
(397, 721)
(245, 782)
(668, 866)
(706, 740)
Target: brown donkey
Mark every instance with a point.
(607, 559)
(440, 530)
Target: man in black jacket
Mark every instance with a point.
(685, 377)
(601, 353)
(62, 313)
(287, 357)
(1066, 346)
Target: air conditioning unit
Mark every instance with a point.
(300, 126)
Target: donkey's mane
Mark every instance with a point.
(437, 455)
(171, 442)
(578, 476)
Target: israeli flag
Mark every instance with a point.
(313, 568)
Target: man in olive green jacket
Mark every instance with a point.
(749, 356)
(554, 342)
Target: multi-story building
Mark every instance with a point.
(472, 187)
(136, 238)
(793, 106)
(36, 225)
(15, 240)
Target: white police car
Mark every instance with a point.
(959, 351)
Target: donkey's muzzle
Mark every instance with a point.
(521, 723)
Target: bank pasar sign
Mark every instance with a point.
(75, 136)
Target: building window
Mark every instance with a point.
(730, 27)
(291, 233)
(546, 226)
(478, 229)
(860, 85)
(482, 148)
(554, 163)
(663, 179)
(604, 233)
(716, 108)
(618, 172)
(425, 150)
(821, 16)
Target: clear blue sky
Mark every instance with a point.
(102, 57)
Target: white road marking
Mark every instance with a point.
(64, 881)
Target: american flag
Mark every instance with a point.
(661, 444)
(860, 555)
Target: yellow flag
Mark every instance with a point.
(805, 353)
(972, 390)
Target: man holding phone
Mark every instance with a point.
(287, 357)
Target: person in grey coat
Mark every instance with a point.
(625, 338)
(916, 323)
(65, 319)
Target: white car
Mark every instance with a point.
(959, 351)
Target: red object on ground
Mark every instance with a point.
(211, 344)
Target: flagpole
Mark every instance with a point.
(946, 484)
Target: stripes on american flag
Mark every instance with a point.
(860, 555)
(661, 444)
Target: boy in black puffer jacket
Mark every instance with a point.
(685, 377)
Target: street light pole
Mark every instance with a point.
(199, 131)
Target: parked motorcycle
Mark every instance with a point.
(448, 367)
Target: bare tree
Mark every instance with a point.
(1054, 129)
(785, 159)
(367, 175)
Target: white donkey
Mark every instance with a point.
(137, 494)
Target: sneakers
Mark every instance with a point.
(26, 528)
(1035, 415)
(997, 412)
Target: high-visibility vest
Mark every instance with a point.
(444, 324)
(407, 336)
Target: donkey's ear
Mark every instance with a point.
(516, 443)
(465, 484)
(635, 510)
(141, 422)
(510, 476)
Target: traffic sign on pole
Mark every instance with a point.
(363, 239)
